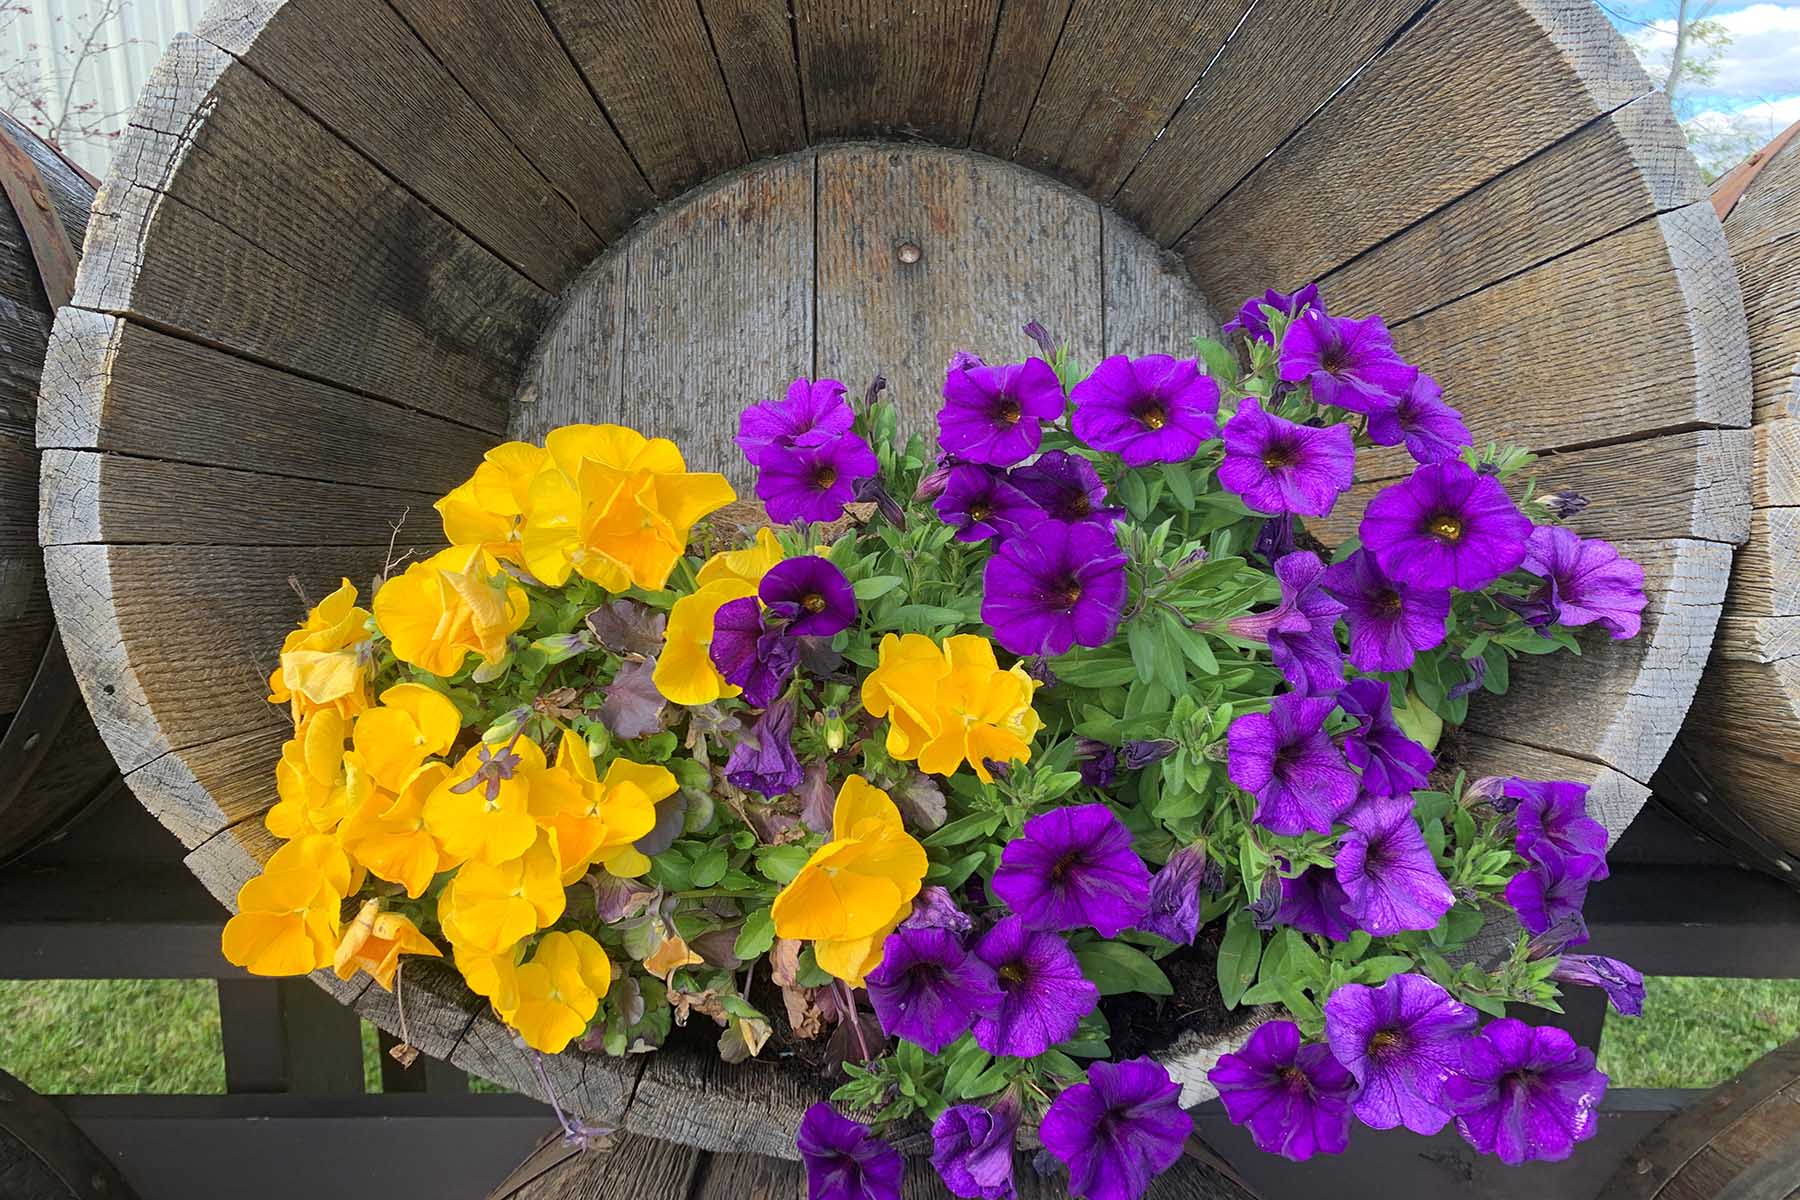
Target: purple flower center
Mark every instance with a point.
(1386, 1043)
(1012, 972)
(1280, 454)
(812, 602)
(1446, 527)
(981, 510)
(1008, 411)
(1151, 412)
(824, 477)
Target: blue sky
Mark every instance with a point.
(1758, 73)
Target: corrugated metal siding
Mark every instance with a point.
(137, 34)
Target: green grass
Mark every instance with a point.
(1698, 1032)
(162, 1035)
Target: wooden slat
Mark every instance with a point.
(1286, 60)
(1772, 300)
(113, 385)
(738, 1176)
(201, 789)
(25, 622)
(333, 270)
(467, 168)
(173, 645)
(1023, 45)
(505, 56)
(998, 247)
(731, 267)
(1120, 71)
(1148, 303)
(629, 1168)
(119, 500)
(699, 1099)
(910, 70)
(754, 40)
(1412, 132)
(1630, 165)
(1621, 702)
(577, 373)
(652, 66)
(1751, 707)
(1766, 576)
(1764, 214)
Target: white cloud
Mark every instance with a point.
(1763, 59)
(1770, 117)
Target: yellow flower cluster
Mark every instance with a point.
(857, 887)
(951, 704)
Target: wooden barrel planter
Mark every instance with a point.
(43, 1156)
(1744, 730)
(347, 245)
(55, 762)
(1739, 1141)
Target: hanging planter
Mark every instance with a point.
(349, 249)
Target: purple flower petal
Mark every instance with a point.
(1287, 761)
(1117, 1131)
(1294, 1098)
(1388, 872)
(1525, 1094)
(1401, 1041)
(994, 415)
(1044, 995)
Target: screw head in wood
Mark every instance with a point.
(908, 253)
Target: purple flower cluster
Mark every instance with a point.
(929, 989)
(1301, 631)
(807, 459)
(754, 644)
(1564, 851)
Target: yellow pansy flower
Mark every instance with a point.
(310, 779)
(287, 919)
(855, 888)
(950, 705)
(412, 723)
(615, 506)
(493, 976)
(455, 603)
(488, 509)
(559, 990)
(386, 832)
(684, 670)
(489, 907)
(483, 808)
(325, 663)
(595, 819)
(374, 943)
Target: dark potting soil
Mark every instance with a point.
(1147, 1024)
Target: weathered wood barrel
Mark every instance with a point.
(1740, 1141)
(55, 762)
(1744, 730)
(43, 1156)
(641, 1168)
(348, 244)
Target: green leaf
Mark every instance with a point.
(757, 935)
(963, 829)
(1144, 649)
(875, 586)
(955, 873)
(1180, 486)
(709, 868)
(992, 1079)
(1418, 722)
(1220, 362)
(1376, 971)
(779, 864)
(1239, 955)
(1116, 968)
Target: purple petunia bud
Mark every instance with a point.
(1175, 896)
(1262, 913)
(1471, 685)
(1039, 669)
(1041, 336)
(962, 360)
(1623, 984)
(1213, 878)
(935, 908)
(999, 770)
(1568, 930)
(1275, 539)
(877, 386)
(1491, 788)
(616, 899)
(872, 489)
(932, 485)
(1097, 762)
(1142, 753)
(1563, 505)
(818, 801)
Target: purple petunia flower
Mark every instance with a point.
(812, 415)
(1552, 886)
(1253, 322)
(1119, 1130)
(1302, 630)
(1175, 896)
(764, 761)
(1350, 364)
(1065, 487)
(1287, 761)
(1556, 812)
(1389, 622)
(1044, 995)
(844, 1161)
(1585, 582)
(1622, 983)
(995, 415)
(1147, 410)
(1525, 1094)
(810, 596)
(749, 653)
(1388, 871)
(972, 1149)
(1392, 764)
(813, 483)
(1277, 466)
(1401, 1041)
(929, 989)
(1314, 902)
(982, 504)
(1071, 867)
(1445, 527)
(1062, 586)
(1295, 1098)
(1432, 430)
